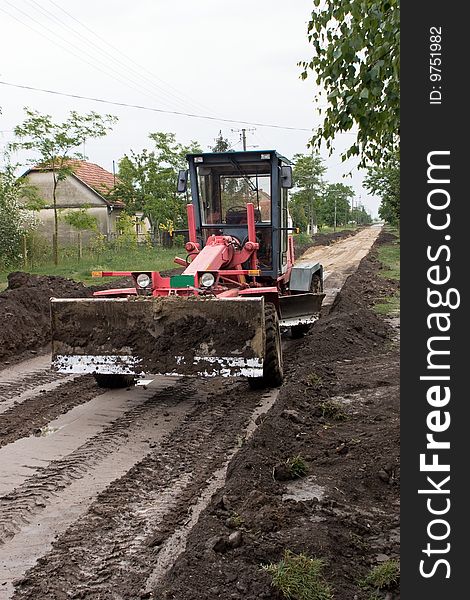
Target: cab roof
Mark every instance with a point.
(241, 156)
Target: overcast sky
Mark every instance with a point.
(233, 60)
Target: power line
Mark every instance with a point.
(130, 72)
(150, 108)
(129, 59)
(108, 70)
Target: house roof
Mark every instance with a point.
(94, 176)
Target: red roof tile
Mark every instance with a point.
(94, 176)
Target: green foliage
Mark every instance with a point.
(356, 61)
(299, 577)
(147, 180)
(221, 144)
(297, 466)
(15, 218)
(305, 202)
(340, 195)
(55, 144)
(384, 181)
(382, 577)
(81, 219)
(126, 228)
(360, 216)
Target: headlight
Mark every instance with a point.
(143, 280)
(207, 280)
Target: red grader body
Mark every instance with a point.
(222, 316)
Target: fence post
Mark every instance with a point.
(25, 252)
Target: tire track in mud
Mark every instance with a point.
(24, 380)
(114, 549)
(26, 500)
(28, 416)
(47, 503)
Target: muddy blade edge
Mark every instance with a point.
(169, 336)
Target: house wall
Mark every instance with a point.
(71, 194)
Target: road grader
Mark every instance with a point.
(223, 314)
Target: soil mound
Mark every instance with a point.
(24, 310)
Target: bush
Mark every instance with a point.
(15, 221)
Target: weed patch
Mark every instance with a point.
(297, 466)
(331, 409)
(299, 577)
(382, 577)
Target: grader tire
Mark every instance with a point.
(273, 373)
(114, 381)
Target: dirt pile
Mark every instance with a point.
(337, 422)
(24, 310)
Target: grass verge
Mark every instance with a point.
(389, 257)
(140, 259)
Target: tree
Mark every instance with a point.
(17, 204)
(147, 180)
(356, 61)
(81, 220)
(335, 209)
(360, 216)
(385, 182)
(221, 144)
(306, 200)
(56, 144)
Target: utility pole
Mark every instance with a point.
(334, 229)
(243, 135)
(244, 138)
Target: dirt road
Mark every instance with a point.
(99, 490)
(341, 259)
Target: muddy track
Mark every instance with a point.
(25, 380)
(29, 415)
(30, 497)
(109, 552)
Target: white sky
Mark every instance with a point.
(236, 60)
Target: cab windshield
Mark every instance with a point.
(224, 192)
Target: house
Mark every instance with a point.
(87, 186)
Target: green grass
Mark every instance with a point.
(389, 306)
(140, 259)
(382, 577)
(299, 577)
(389, 256)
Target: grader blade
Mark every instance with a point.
(159, 335)
(300, 309)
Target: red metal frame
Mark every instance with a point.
(220, 255)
